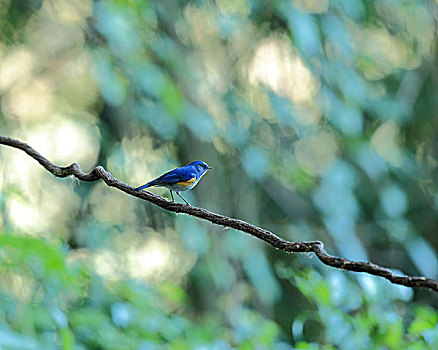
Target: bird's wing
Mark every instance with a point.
(177, 175)
(184, 176)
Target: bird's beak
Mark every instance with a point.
(209, 167)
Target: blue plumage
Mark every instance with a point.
(180, 179)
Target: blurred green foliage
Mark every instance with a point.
(319, 120)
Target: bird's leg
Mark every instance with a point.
(182, 198)
(171, 194)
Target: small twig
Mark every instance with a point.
(316, 247)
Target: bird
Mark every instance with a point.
(180, 179)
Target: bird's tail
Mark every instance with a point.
(149, 184)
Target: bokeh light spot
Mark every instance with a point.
(277, 66)
(316, 152)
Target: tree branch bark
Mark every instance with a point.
(316, 247)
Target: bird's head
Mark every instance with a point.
(200, 166)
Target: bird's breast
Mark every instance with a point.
(183, 185)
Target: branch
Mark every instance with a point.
(316, 247)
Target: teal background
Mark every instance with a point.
(319, 119)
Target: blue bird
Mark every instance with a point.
(180, 179)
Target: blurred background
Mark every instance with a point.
(319, 119)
